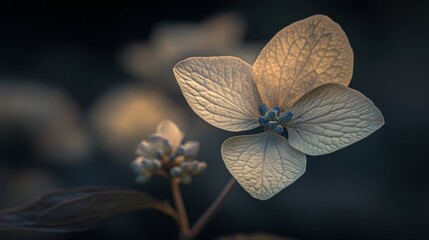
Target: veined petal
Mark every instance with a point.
(171, 132)
(331, 117)
(220, 90)
(301, 57)
(263, 163)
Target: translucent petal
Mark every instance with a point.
(301, 57)
(332, 117)
(220, 90)
(171, 132)
(263, 163)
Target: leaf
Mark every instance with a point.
(332, 117)
(78, 209)
(253, 236)
(263, 163)
(220, 90)
(301, 57)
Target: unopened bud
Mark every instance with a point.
(151, 164)
(262, 121)
(262, 108)
(176, 171)
(189, 149)
(186, 166)
(278, 129)
(272, 124)
(276, 109)
(200, 168)
(271, 115)
(285, 117)
(144, 148)
(136, 165)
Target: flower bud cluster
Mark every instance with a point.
(159, 156)
(273, 118)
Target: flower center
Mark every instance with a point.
(273, 118)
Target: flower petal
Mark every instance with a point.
(171, 132)
(220, 90)
(263, 163)
(301, 57)
(331, 117)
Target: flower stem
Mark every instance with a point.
(212, 210)
(180, 206)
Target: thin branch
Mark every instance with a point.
(213, 209)
(180, 206)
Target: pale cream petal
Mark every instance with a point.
(301, 57)
(171, 132)
(220, 90)
(263, 163)
(332, 117)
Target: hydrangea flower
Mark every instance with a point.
(165, 154)
(299, 84)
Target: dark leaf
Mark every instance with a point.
(78, 209)
(253, 236)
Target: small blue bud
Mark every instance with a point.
(272, 124)
(194, 167)
(262, 121)
(180, 151)
(172, 157)
(278, 129)
(276, 109)
(271, 115)
(285, 117)
(189, 149)
(186, 166)
(262, 108)
(136, 166)
(201, 167)
(176, 171)
(151, 164)
(143, 148)
(159, 154)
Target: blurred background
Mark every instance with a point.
(82, 83)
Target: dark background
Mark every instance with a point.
(374, 189)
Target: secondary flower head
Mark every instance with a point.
(166, 155)
(299, 84)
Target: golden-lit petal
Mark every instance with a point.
(172, 133)
(332, 117)
(220, 90)
(301, 57)
(263, 163)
